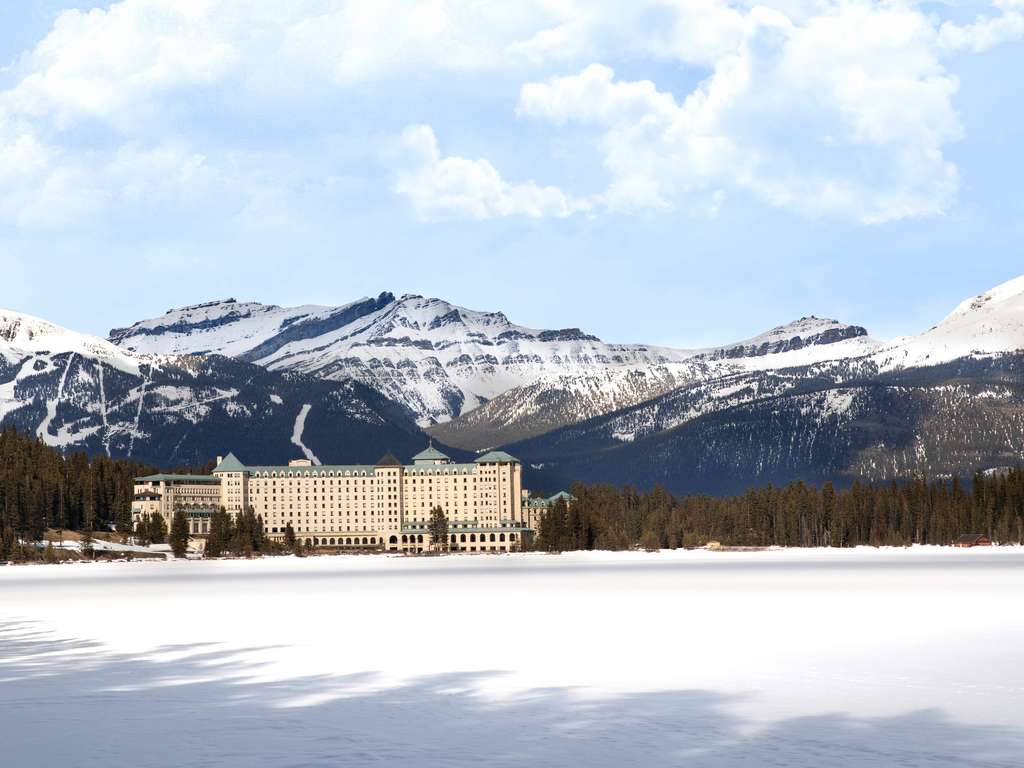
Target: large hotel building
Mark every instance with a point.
(384, 506)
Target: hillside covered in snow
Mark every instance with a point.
(812, 399)
(80, 392)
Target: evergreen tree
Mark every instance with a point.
(438, 528)
(552, 535)
(85, 542)
(221, 533)
(157, 530)
(289, 537)
(179, 533)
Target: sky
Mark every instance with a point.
(681, 172)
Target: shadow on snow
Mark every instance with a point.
(69, 702)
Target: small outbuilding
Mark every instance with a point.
(973, 540)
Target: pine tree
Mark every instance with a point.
(220, 535)
(438, 528)
(157, 530)
(289, 537)
(179, 533)
(85, 542)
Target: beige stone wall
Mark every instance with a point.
(173, 494)
(345, 506)
(378, 502)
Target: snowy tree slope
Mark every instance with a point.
(860, 658)
(728, 435)
(80, 392)
(985, 326)
(22, 335)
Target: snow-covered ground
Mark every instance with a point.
(782, 658)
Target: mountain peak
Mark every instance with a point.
(27, 334)
(808, 331)
(1006, 298)
(990, 323)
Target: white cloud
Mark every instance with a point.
(845, 113)
(986, 31)
(820, 106)
(455, 187)
(49, 188)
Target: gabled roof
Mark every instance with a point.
(431, 454)
(230, 464)
(492, 456)
(388, 460)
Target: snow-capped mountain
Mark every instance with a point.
(443, 361)
(81, 392)
(946, 401)
(437, 359)
(945, 421)
(22, 334)
(556, 400)
(815, 398)
(991, 323)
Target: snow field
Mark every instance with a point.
(814, 657)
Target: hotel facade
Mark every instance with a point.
(383, 506)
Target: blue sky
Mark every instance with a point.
(679, 172)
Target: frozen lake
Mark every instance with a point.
(788, 658)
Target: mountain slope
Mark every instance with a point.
(437, 359)
(990, 323)
(557, 400)
(944, 402)
(942, 421)
(81, 392)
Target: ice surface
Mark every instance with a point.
(782, 658)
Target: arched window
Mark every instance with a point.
(364, 540)
(373, 540)
(462, 538)
(405, 539)
(501, 537)
(472, 537)
(511, 537)
(349, 542)
(309, 542)
(316, 541)
(393, 540)
(332, 542)
(419, 538)
(492, 537)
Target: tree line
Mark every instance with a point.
(42, 488)
(897, 513)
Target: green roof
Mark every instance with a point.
(388, 460)
(492, 456)
(550, 500)
(230, 464)
(430, 454)
(178, 478)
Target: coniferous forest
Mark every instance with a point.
(41, 488)
(797, 515)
